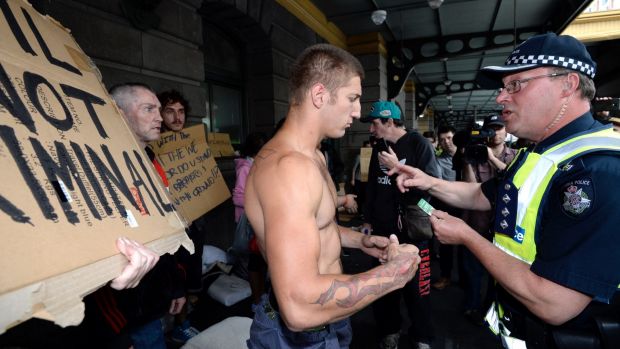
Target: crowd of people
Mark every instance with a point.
(537, 222)
(526, 219)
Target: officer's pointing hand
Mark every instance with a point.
(410, 177)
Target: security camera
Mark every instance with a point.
(379, 16)
(434, 4)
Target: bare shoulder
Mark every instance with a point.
(280, 173)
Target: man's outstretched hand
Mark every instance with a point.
(404, 259)
(376, 246)
(141, 261)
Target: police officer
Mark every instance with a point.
(555, 249)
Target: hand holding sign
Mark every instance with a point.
(141, 261)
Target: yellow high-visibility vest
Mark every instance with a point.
(520, 196)
(524, 190)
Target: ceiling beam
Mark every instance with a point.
(435, 49)
(430, 90)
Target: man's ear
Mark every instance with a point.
(570, 84)
(319, 95)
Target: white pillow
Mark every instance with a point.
(230, 333)
(229, 289)
(212, 254)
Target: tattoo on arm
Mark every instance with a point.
(356, 285)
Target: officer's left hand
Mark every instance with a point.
(449, 229)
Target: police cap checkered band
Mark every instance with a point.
(564, 62)
(546, 50)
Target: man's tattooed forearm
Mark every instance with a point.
(357, 285)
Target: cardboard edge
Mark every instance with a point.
(59, 298)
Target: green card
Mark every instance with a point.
(425, 206)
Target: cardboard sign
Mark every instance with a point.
(74, 178)
(220, 144)
(365, 154)
(195, 182)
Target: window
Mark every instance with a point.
(224, 76)
(224, 112)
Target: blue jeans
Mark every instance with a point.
(269, 332)
(149, 336)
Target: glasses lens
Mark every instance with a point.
(514, 86)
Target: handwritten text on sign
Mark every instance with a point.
(196, 183)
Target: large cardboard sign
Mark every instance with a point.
(74, 178)
(220, 144)
(195, 182)
(365, 154)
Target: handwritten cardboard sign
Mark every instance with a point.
(220, 144)
(195, 182)
(365, 154)
(74, 178)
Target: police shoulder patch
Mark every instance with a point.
(577, 196)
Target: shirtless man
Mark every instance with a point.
(291, 203)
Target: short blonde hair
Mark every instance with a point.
(322, 63)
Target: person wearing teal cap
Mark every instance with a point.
(382, 110)
(386, 207)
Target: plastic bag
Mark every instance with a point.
(243, 235)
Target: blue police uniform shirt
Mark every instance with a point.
(577, 241)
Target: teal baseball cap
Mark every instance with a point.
(382, 110)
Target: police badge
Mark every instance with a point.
(576, 199)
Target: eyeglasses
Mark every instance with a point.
(514, 86)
